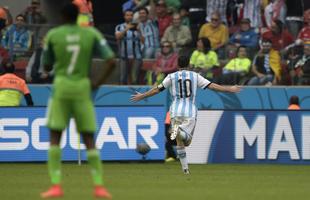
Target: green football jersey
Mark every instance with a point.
(69, 49)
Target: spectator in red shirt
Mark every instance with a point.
(164, 19)
(304, 34)
(279, 36)
(166, 62)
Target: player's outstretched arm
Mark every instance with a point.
(139, 96)
(233, 89)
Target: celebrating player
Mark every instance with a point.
(69, 48)
(183, 88)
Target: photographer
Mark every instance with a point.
(130, 40)
(33, 13)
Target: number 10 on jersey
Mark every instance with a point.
(185, 88)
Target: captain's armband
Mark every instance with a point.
(161, 87)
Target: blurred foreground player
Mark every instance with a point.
(183, 86)
(69, 49)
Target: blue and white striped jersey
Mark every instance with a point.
(130, 45)
(183, 89)
(151, 34)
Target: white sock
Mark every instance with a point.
(182, 156)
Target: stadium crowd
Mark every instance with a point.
(246, 42)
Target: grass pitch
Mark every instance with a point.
(149, 181)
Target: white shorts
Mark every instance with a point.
(185, 126)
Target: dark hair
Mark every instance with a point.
(170, 44)
(279, 24)
(20, 15)
(241, 46)
(35, 2)
(265, 40)
(246, 20)
(206, 44)
(294, 100)
(183, 61)
(9, 67)
(184, 7)
(127, 10)
(145, 9)
(70, 12)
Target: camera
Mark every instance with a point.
(134, 28)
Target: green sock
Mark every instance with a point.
(95, 165)
(54, 164)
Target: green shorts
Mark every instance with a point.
(61, 110)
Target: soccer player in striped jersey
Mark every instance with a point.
(183, 86)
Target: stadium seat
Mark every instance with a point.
(20, 68)
(148, 64)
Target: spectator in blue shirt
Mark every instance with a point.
(130, 40)
(150, 33)
(134, 5)
(247, 36)
(17, 37)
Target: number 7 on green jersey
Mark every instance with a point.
(74, 49)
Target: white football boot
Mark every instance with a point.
(174, 132)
